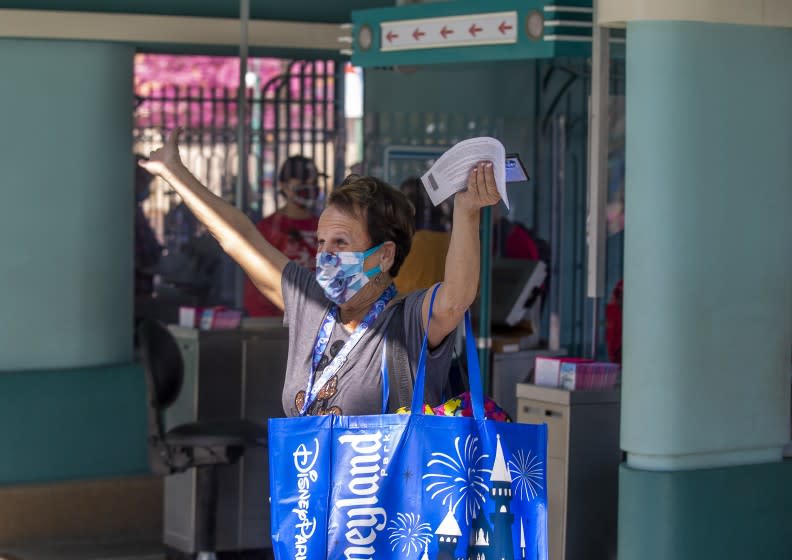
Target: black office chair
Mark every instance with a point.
(203, 445)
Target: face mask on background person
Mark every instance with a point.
(341, 274)
(304, 196)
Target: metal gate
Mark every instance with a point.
(298, 112)
(301, 113)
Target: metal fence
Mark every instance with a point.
(297, 112)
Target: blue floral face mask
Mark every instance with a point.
(341, 274)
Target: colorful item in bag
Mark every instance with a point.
(406, 410)
(461, 406)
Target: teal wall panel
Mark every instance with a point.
(66, 222)
(731, 513)
(76, 424)
(493, 88)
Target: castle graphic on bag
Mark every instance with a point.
(489, 540)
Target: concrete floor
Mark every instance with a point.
(109, 549)
(83, 550)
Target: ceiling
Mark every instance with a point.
(327, 11)
(108, 20)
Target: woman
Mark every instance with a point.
(339, 319)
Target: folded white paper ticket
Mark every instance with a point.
(450, 172)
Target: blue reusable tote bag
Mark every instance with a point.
(409, 486)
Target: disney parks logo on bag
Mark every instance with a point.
(304, 461)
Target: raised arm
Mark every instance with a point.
(236, 234)
(460, 283)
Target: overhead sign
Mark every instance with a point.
(411, 34)
(492, 28)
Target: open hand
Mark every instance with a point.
(165, 159)
(481, 190)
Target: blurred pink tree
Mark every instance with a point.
(155, 71)
(201, 91)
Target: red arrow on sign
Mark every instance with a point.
(391, 36)
(473, 29)
(445, 32)
(417, 34)
(504, 27)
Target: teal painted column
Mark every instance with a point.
(708, 245)
(66, 220)
(708, 292)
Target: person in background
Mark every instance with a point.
(356, 168)
(425, 264)
(613, 323)
(291, 229)
(181, 228)
(147, 249)
(512, 240)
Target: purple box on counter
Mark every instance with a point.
(548, 369)
(588, 376)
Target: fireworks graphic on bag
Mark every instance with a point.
(527, 474)
(408, 533)
(462, 477)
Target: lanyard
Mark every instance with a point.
(323, 337)
(384, 374)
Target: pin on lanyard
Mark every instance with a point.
(323, 337)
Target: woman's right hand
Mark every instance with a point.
(166, 159)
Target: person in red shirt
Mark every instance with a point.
(291, 229)
(613, 323)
